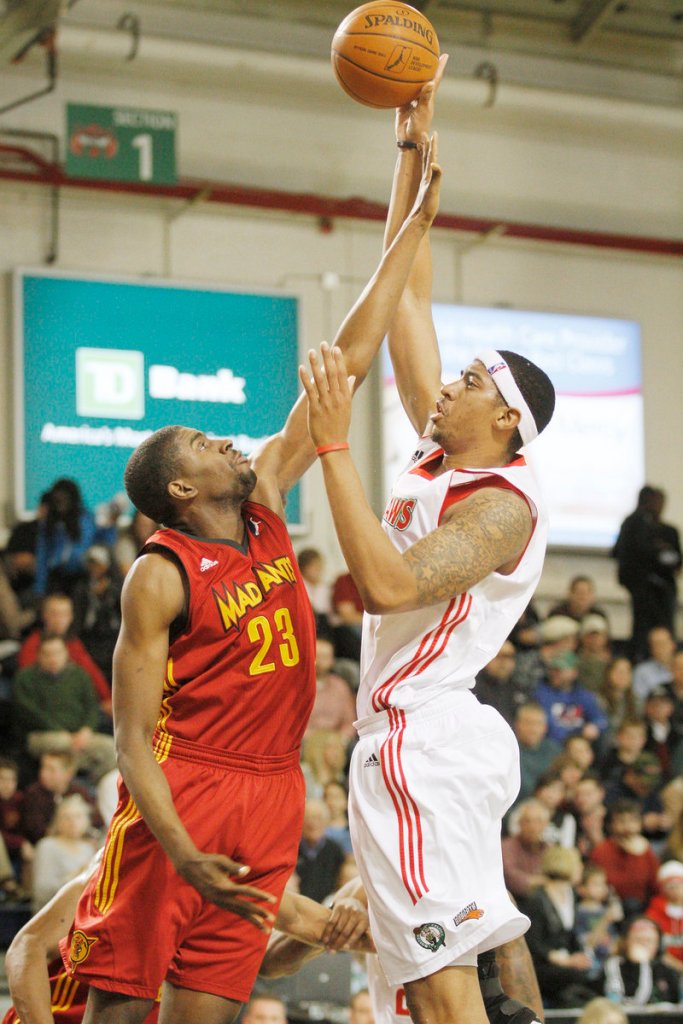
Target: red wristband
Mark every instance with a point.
(339, 446)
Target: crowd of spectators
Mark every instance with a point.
(592, 849)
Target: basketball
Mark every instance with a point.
(383, 53)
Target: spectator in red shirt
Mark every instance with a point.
(57, 615)
(630, 863)
(55, 781)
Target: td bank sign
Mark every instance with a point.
(111, 383)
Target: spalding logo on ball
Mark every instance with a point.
(383, 53)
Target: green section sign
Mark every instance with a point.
(121, 144)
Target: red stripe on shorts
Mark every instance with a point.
(409, 832)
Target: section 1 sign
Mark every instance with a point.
(121, 144)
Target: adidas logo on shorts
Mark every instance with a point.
(372, 762)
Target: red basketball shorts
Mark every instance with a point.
(138, 923)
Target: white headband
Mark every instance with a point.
(501, 373)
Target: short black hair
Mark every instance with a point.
(148, 472)
(537, 390)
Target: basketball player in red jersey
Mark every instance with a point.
(213, 684)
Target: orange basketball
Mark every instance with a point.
(383, 53)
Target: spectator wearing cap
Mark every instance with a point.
(595, 651)
(658, 667)
(666, 909)
(494, 685)
(97, 607)
(661, 736)
(630, 863)
(570, 708)
(579, 601)
(556, 634)
(640, 783)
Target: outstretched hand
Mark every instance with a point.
(212, 876)
(414, 119)
(329, 393)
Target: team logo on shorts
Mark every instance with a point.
(430, 936)
(469, 913)
(80, 947)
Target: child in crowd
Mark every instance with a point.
(11, 799)
(598, 911)
(65, 851)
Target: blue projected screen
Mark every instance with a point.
(102, 363)
(590, 459)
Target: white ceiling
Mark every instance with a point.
(627, 48)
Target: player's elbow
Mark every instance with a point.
(384, 595)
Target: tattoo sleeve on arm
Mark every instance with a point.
(486, 531)
(517, 975)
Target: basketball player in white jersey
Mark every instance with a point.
(444, 578)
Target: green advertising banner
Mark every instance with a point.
(121, 144)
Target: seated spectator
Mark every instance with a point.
(579, 601)
(563, 969)
(312, 567)
(55, 707)
(595, 652)
(640, 783)
(57, 617)
(675, 688)
(551, 791)
(570, 773)
(580, 750)
(20, 556)
(65, 532)
(97, 608)
(557, 635)
(536, 750)
(336, 799)
(334, 708)
(130, 540)
(55, 781)
(320, 858)
(673, 849)
(526, 638)
(666, 909)
(616, 695)
(661, 737)
(629, 861)
(495, 685)
(658, 666)
(11, 800)
(598, 912)
(323, 760)
(14, 619)
(636, 974)
(523, 851)
(629, 743)
(65, 850)
(347, 616)
(590, 812)
(570, 708)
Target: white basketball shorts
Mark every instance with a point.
(428, 791)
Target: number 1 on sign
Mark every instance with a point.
(143, 143)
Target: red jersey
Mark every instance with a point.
(241, 666)
(68, 997)
(670, 921)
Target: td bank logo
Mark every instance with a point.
(110, 382)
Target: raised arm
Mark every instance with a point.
(284, 458)
(480, 534)
(412, 338)
(153, 597)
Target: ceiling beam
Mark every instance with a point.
(590, 17)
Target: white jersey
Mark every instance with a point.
(411, 658)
